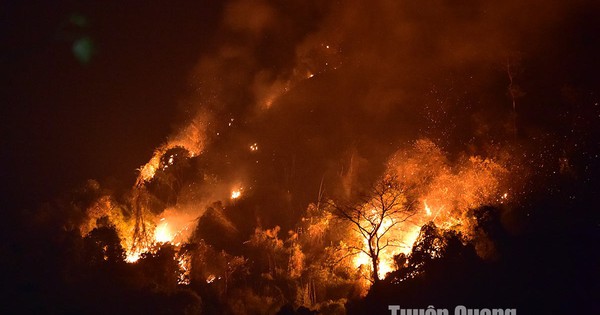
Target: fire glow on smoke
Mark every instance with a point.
(445, 197)
(450, 190)
(445, 190)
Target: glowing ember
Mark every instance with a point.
(254, 147)
(236, 194)
(170, 161)
(211, 279)
(184, 262)
(132, 257)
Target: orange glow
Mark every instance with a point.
(211, 279)
(444, 194)
(162, 233)
(184, 263)
(132, 257)
(427, 208)
(174, 228)
(447, 195)
(236, 194)
(148, 170)
(192, 138)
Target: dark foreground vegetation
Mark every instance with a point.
(549, 267)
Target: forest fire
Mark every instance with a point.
(454, 190)
(305, 157)
(385, 225)
(420, 186)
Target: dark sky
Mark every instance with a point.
(63, 120)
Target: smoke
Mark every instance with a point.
(356, 80)
(300, 98)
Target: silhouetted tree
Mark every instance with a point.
(173, 170)
(161, 267)
(432, 248)
(384, 207)
(103, 244)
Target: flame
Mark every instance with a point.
(447, 196)
(132, 257)
(148, 170)
(427, 208)
(162, 233)
(169, 230)
(172, 228)
(211, 279)
(184, 262)
(446, 191)
(192, 138)
(386, 257)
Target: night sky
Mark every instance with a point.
(64, 120)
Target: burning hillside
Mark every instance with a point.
(422, 183)
(323, 157)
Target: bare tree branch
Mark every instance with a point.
(375, 215)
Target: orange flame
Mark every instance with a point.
(449, 193)
(236, 194)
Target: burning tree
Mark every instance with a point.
(374, 217)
